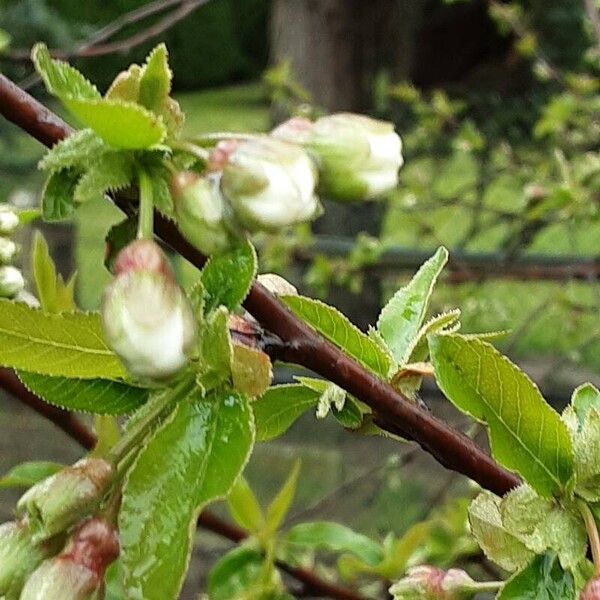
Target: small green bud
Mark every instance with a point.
(63, 499)
(591, 590)
(430, 583)
(201, 212)
(270, 184)
(78, 572)
(147, 319)
(11, 281)
(8, 250)
(19, 557)
(9, 220)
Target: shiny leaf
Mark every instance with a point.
(244, 506)
(29, 473)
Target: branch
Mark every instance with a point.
(301, 344)
(591, 10)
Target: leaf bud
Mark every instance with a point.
(270, 184)
(19, 557)
(9, 220)
(61, 500)
(147, 319)
(78, 572)
(8, 250)
(201, 212)
(11, 281)
(430, 583)
(592, 590)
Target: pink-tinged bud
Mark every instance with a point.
(19, 557)
(591, 590)
(63, 499)
(219, 155)
(147, 319)
(11, 281)
(430, 583)
(201, 212)
(78, 572)
(296, 130)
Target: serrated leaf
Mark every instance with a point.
(54, 295)
(522, 510)
(499, 545)
(161, 195)
(331, 395)
(237, 576)
(126, 85)
(119, 236)
(227, 277)
(333, 537)
(251, 370)
(77, 150)
(542, 579)
(66, 345)
(526, 434)
(215, 349)
(402, 317)
(587, 456)
(110, 171)
(120, 124)
(97, 396)
(60, 78)
(279, 407)
(244, 507)
(584, 398)
(333, 325)
(155, 81)
(350, 416)
(57, 197)
(280, 505)
(191, 460)
(418, 349)
(29, 473)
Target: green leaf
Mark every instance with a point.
(111, 171)
(5, 40)
(280, 505)
(251, 370)
(584, 398)
(79, 150)
(29, 473)
(126, 85)
(542, 579)
(55, 296)
(237, 576)
(351, 415)
(216, 350)
(155, 81)
(338, 329)
(587, 457)
(66, 345)
(161, 193)
(97, 396)
(402, 317)
(28, 215)
(227, 277)
(57, 197)
(526, 434)
(418, 349)
(119, 236)
(334, 537)
(191, 460)
(244, 507)
(279, 407)
(330, 395)
(120, 124)
(108, 434)
(60, 78)
(499, 545)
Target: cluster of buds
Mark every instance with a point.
(147, 319)
(30, 566)
(430, 583)
(269, 182)
(11, 279)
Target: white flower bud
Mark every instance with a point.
(9, 220)
(8, 250)
(277, 285)
(147, 319)
(358, 157)
(430, 583)
(270, 184)
(11, 281)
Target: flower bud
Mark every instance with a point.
(147, 319)
(270, 184)
(19, 556)
(63, 499)
(277, 285)
(200, 212)
(430, 583)
(592, 590)
(296, 130)
(358, 157)
(8, 250)
(78, 572)
(11, 281)
(9, 220)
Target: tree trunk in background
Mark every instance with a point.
(336, 49)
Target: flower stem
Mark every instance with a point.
(481, 587)
(592, 531)
(146, 207)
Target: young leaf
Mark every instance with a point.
(57, 197)
(227, 277)
(29, 473)
(402, 317)
(542, 579)
(97, 396)
(334, 537)
(126, 85)
(216, 350)
(338, 329)
(351, 415)
(251, 370)
(279, 407)
(526, 434)
(78, 150)
(587, 457)
(66, 345)
(238, 576)
(330, 395)
(110, 171)
(584, 398)
(280, 505)
(55, 296)
(418, 349)
(191, 460)
(244, 506)
(155, 81)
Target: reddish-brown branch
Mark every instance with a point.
(301, 344)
